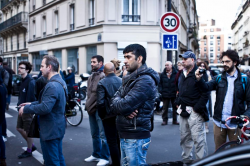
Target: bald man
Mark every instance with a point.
(168, 90)
(106, 89)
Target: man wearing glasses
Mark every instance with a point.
(232, 91)
(26, 94)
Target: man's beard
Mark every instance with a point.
(229, 69)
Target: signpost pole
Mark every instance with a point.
(169, 53)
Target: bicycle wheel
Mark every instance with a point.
(227, 145)
(74, 116)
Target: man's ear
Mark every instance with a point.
(139, 59)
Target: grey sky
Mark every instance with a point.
(223, 11)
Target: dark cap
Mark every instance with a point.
(188, 54)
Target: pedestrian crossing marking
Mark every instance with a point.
(8, 115)
(13, 108)
(38, 156)
(10, 134)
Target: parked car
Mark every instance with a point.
(16, 81)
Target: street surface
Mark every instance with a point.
(77, 143)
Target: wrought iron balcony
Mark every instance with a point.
(72, 27)
(20, 17)
(5, 3)
(91, 21)
(56, 31)
(131, 18)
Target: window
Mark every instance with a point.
(34, 30)
(211, 55)
(218, 48)
(56, 22)
(72, 17)
(205, 43)
(91, 12)
(211, 37)
(218, 37)
(91, 51)
(37, 60)
(17, 41)
(205, 55)
(6, 45)
(24, 42)
(205, 49)
(131, 11)
(34, 4)
(73, 59)
(11, 43)
(22, 58)
(229, 37)
(218, 43)
(211, 30)
(44, 26)
(58, 55)
(211, 49)
(205, 30)
(211, 43)
(211, 61)
(44, 2)
(229, 43)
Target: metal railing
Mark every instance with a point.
(91, 21)
(72, 27)
(56, 31)
(5, 3)
(20, 17)
(131, 18)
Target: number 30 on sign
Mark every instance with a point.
(170, 22)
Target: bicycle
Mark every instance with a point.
(242, 122)
(73, 110)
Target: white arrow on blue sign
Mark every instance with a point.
(170, 41)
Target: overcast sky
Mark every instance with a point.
(223, 11)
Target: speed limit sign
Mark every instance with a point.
(170, 22)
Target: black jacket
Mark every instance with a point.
(240, 96)
(10, 71)
(138, 92)
(27, 90)
(191, 95)
(167, 87)
(106, 89)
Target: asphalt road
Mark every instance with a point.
(77, 143)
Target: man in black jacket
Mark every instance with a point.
(106, 89)
(134, 104)
(192, 109)
(26, 94)
(232, 91)
(167, 89)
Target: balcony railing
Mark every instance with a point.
(56, 31)
(44, 34)
(44, 2)
(131, 18)
(20, 17)
(5, 3)
(91, 21)
(72, 27)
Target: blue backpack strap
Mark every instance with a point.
(218, 78)
(244, 80)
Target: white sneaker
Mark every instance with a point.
(4, 139)
(102, 162)
(92, 158)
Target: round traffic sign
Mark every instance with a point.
(170, 22)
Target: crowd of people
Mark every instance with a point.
(120, 105)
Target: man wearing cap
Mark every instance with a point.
(191, 104)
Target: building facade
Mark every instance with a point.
(213, 41)
(75, 30)
(14, 31)
(241, 28)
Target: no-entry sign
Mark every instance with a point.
(170, 22)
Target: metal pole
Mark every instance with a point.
(169, 53)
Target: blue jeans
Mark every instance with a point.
(2, 145)
(52, 152)
(100, 145)
(134, 151)
(8, 99)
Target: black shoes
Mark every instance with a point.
(25, 154)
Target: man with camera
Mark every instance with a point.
(191, 103)
(232, 93)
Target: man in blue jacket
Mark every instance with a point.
(134, 105)
(51, 108)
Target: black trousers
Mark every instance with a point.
(113, 140)
(166, 102)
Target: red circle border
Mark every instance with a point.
(175, 16)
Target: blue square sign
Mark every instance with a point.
(170, 41)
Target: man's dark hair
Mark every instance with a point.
(51, 60)
(27, 64)
(99, 58)
(231, 54)
(5, 63)
(137, 50)
(1, 60)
